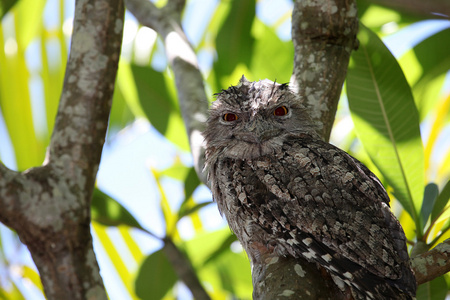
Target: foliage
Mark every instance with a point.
(399, 107)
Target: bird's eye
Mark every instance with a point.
(280, 111)
(229, 117)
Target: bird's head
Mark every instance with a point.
(253, 119)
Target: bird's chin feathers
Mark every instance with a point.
(247, 150)
(244, 150)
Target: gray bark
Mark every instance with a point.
(49, 206)
(324, 35)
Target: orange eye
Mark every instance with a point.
(280, 111)
(230, 117)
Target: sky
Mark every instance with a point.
(124, 171)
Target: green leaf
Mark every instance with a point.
(52, 75)
(223, 247)
(376, 16)
(444, 216)
(15, 104)
(13, 292)
(156, 99)
(191, 182)
(33, 276)
(177, 171)
(434, 58)
(226, 268)
(185, 211)
(121, 114)
(433, 290)
(180, 172)
(386, 119)
(234, 42)
(29, 20)
(266, 59)
(441, 202)
(5, 6)
(429, 199)
(156, 277)
(107, 211)
(121, 265)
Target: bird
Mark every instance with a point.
(285, 191)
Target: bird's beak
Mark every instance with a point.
(257, 131)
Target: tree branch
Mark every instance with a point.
(324, 35)
(189, 81)
(49, 206)
(432, 264)
(8, 190)
(184, 269)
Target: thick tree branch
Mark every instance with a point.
(324, 35)
(49, 206)
(432, 264)
(182, 59)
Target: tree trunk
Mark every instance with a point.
(49, 206)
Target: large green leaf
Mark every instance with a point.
(434, 59)
(157, 100)
(386, 119)
(107, 211)
(156, 277)
(234, 42)
(266, 59)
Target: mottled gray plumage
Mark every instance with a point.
(284, 190)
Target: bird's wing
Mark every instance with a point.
(328, 207)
